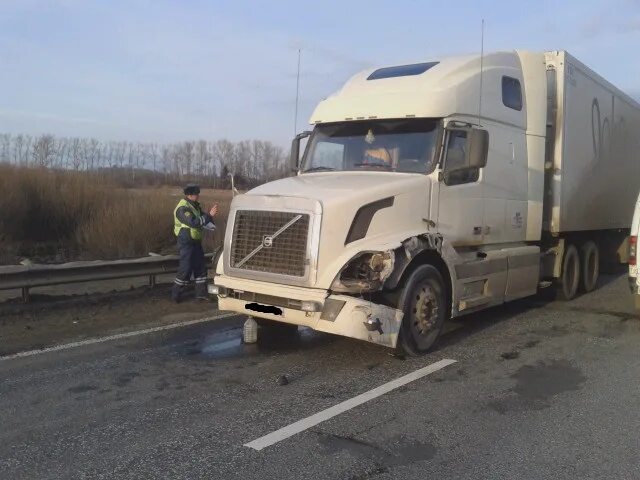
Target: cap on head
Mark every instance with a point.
(192, 189)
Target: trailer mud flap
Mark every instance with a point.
(364, 320)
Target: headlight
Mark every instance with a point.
(366, 272)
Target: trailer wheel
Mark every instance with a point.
(423, 301)
(590, 257)
(568, 283)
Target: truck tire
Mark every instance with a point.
(569, 281)
(423, 301)
(590, 260)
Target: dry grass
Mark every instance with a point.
(85, 217)
(42, 205)
(130, 226)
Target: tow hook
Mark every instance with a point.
(373, 325)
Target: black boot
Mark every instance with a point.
(176, 291)
(201, 292)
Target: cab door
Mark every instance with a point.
(460, 197)
(505, 187)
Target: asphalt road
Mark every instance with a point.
(539, 390)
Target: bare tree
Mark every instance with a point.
(18, 140)
(272, 161)
(212, 170)
(184, 159)
(92, 152)
(5, 147)
(223, 153)
(62, 156)
(251, 161)
(44, 150)
(76, 153)
(107, 155)
(26, 150)
(120, 152)
(201, 157)
(153, 158)
(166, 161)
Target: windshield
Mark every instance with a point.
(387, 145)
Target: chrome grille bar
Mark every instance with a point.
(270, 242)
(262, 245)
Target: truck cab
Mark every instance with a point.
(420, 196)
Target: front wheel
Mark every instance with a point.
(423, 301)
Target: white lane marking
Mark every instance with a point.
(305, 423)
(118, 336)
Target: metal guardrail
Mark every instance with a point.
(24, 277)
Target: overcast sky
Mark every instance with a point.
(166, 71)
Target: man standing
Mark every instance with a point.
(189, 223)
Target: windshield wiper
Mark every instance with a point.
(320, 168)
(381, 165)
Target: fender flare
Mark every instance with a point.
(417, 250)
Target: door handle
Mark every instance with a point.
(487, 230)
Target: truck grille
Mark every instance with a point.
(284, 253)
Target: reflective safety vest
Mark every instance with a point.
(196, 233)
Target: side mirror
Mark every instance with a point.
(467, 148)
(456, 159)
(478, 148)
(294, 160)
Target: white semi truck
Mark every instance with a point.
(437, 189)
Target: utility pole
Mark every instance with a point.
(295, 118)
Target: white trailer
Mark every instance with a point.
(593, 166)
(437, 189)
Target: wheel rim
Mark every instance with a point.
(425, 308)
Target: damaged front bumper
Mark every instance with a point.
(315, 308)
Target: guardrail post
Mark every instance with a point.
(152, 281)
(25, 294)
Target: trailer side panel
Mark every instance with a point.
(596, 163)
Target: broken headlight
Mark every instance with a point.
(366, 272)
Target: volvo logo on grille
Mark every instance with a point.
(267, 241)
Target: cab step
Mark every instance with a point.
(473, 302)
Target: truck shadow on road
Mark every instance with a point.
(459, 329)
(229, 344)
